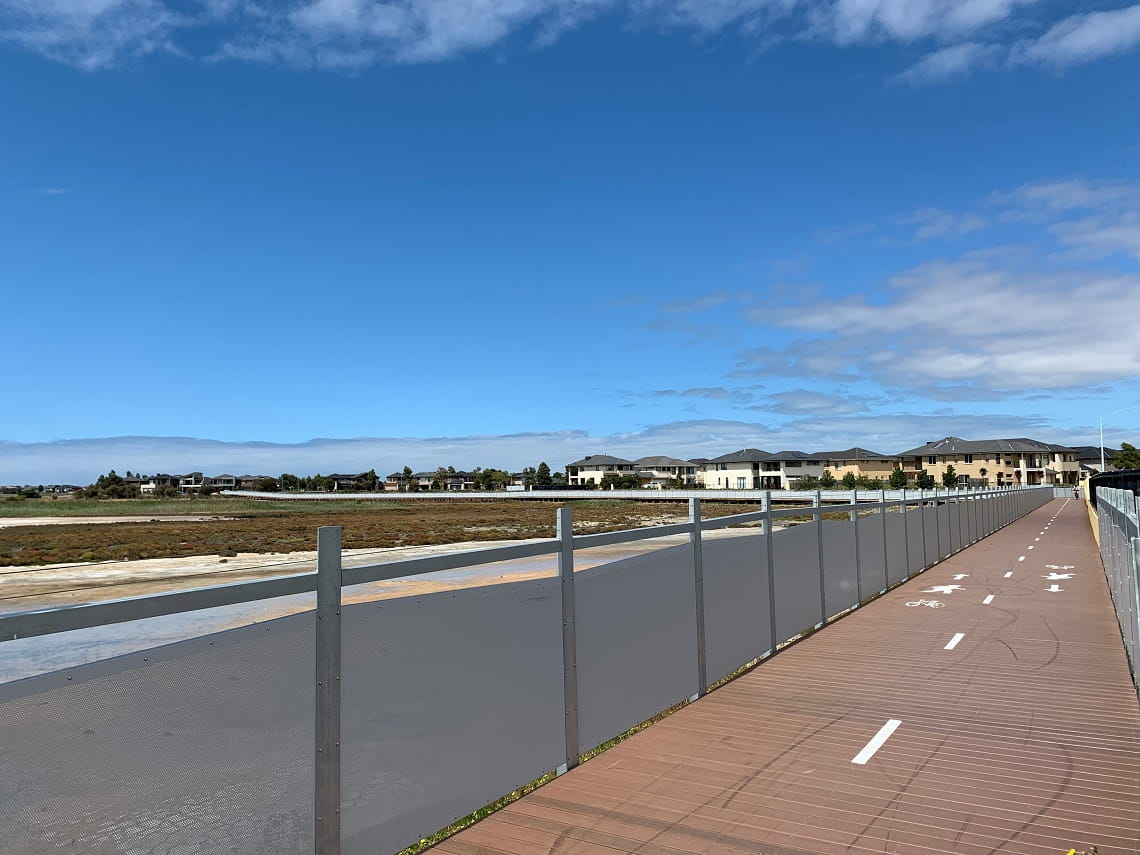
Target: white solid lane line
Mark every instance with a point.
(989, 599)
(876, 742)
(958, 636)
(1007, 575)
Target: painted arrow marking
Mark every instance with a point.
(1054, 589)
(943, 589)
(958, 577)
(1060, 566)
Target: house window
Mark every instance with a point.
(967, 458)
(792, 464)
(741, 483)
(932, 460)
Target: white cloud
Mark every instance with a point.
(951, 62)
(1083, 38)
(94, 34)
(935, 222)
(1041, 200)
(1094, 238)
(53, 191)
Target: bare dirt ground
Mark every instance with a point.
(12, 522)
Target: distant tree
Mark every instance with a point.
(679, 483)
(408, 484)
(542, 476)
(924, 481)
(827, 480)
(265, 485)
(808, 482)
(897, 479)
(439, 482)
(949, 477)
(848, 481)
(865, 482)
(1127, 458)
(528, 476)
(289, 481)
(559, 479)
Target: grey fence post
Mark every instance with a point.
(937, 530)
(922, 522)
(855, 527)
(698, 595)
(771, 557)
(565, 536)
(961, 522)
(817, 512)
(906, 532)
(326, 763)
(886, 561)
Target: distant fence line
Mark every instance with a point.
(365, 725)
(755, 496)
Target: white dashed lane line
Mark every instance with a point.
(989, 599)
(876, 742)
(1007, 575)
(953, 642)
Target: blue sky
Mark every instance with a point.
(334, 235)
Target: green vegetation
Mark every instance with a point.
(897, 479)
(924, 481)
(1127, 458)
(949, 477)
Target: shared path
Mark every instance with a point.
(985, 706)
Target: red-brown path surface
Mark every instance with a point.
(1025, 738)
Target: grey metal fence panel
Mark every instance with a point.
(737, 617)
(798, 594)
(896, 549)
(636, 627)
(945, 544)
(933, 536)
(201, 746)
(841, 575)
(872, 555)
(916, 550)
(449, 701)
(954, 510)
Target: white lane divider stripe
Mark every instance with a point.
(1021, 558)
(958, 636)
(1007, 575)
(989, 599)
(1029, 547)
(876, 742)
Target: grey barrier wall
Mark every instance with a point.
(1118, 520)
(362, 727)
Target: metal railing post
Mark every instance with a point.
(886, 561)
(854, 517)
(326, 765)
(769, 548)
(817, 512)
(698, 595)
(922, 523)
(565, 535)
(937, 530)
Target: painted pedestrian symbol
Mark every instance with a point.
(958, 577)
(943, 589)
(934, 604)
(1053, 577)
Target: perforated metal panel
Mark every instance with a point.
(916, 549)
(201, 747)
(934, 537)
(896, 548)
(737, 617)
(955, 524)
(872, 555)
(798, 603)
(636, 630)
(945, 545)
(840, 574)
(449, 701)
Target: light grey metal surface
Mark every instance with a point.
(451, 561)
(565, 532)
(1118, 520)
(933, 536)
(451, 700)
(841, 574)
(698, 594)
(326, 760)
(798, 594)
(916, 550)
(872, 556)
(738, 625)
(945, 544)
(635, 641)
(896, 549)
(201, 746)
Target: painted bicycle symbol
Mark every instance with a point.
(934, 604)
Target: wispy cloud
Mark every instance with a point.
(53, 191)
(935, 222)
(967, 34)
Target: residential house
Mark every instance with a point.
(349, 482)
(737, 470)
(859, 462)
(592, 468)
(663, 472)
(190, 483)
(250, 482)
(994, 462)
(1088, 459)
(781, 469)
